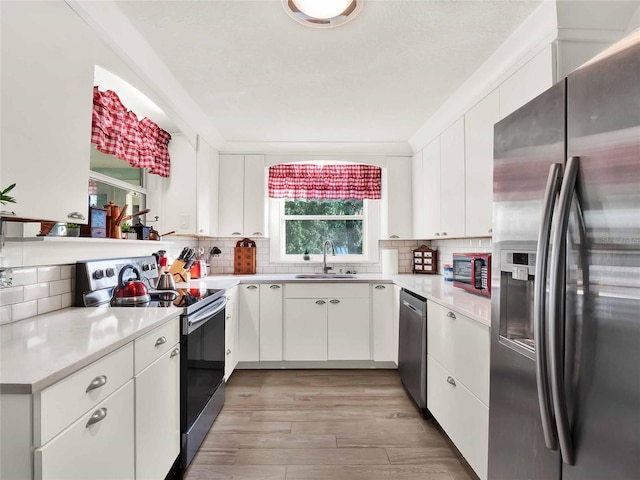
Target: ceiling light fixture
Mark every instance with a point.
(322, 13)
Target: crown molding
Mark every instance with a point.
(318, 148)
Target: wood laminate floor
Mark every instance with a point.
(323, 424)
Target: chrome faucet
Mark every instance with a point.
(326, 269)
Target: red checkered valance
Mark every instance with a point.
(324, 182)
(117, 131)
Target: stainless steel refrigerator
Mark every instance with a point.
(565, 339)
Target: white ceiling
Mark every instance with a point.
(262, 77)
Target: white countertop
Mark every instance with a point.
(39, 351)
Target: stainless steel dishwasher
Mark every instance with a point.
(412, 347)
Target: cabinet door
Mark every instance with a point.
(158, 416)
(231, 333)
(271, 322)
(306, 329)
(47, 96)
(533, 78)
(452, 199)
(397, 221)
(180, 192)
(478, 145)
(254, 196)
(348, 329)
(417, 194)
(208, 166)
(249, 323)
(231, 196)
(431, 186)
(383, 323)
(103, 450)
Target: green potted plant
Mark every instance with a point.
(73, 230)
(5, 197)
(128, 233)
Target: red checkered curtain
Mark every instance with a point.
(117, 131)
(325, 182)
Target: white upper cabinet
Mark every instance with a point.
(207, 189)
(452, 175)
(241, 196)
(397, 216)
(479, 123)
(529, 81)
(47, 63)
(431, 172)
(417, 195)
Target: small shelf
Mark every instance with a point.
(85, 240)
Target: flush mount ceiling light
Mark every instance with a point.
(322, 13)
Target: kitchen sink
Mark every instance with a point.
(325, 275)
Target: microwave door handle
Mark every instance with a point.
(539, 306)
(556, 310)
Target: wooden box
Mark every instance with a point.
(244, 257)
(425, 260)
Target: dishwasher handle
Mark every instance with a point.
(411, 307)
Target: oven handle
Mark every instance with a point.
(191, 322)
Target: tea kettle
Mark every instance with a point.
(132, 293)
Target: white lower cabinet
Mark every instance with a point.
(382, 314)
(249, 323)
(271, 322)
(99, 445)
(306, 329)
(158, 416)
(348, 329)
(231, 333)
(462, 416)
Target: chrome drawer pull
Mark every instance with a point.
(236, 233)
(257, 233)
(334, 301)
(161, 341)
(451, 315)
(228, 351)
(380, 287)
(252, 287)
(275, 287)
(76, 216)
(228, 316)
(176, 351)
(394, 236)
(320, 302)
(97, 382)
(97, 416)
(451, 381)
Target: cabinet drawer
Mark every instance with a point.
(101, 451)
(461, 345)
(156, 343)
(327, 290)
(63, 402)
(462, 416)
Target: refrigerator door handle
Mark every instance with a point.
(539, 306)
(556, 311)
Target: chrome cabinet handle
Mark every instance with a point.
(228, 316)
(97, 382)
(557, 275)
(76, 216)
(97, 416)
(394, 236)
(380, 287)
(334, 301)
(175, 352)
(451, 381)
(437, 234)
(444, 234)
(451, 315)
(539, 298)
(320, 302)
(490, 230)
(275, 287)
(257, 233)
(236, 233)
(228, 351)
(251, 287)
(162, 340)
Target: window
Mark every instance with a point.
(309, 223)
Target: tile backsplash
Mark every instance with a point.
(31, 291)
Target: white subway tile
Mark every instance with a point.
(5, 314)
(24, 276)
(48, 274)
(66, 300)
(34, 292)
(59, 287)
(20, 311)
(49, 304)
(67, 271)
(11, 295)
